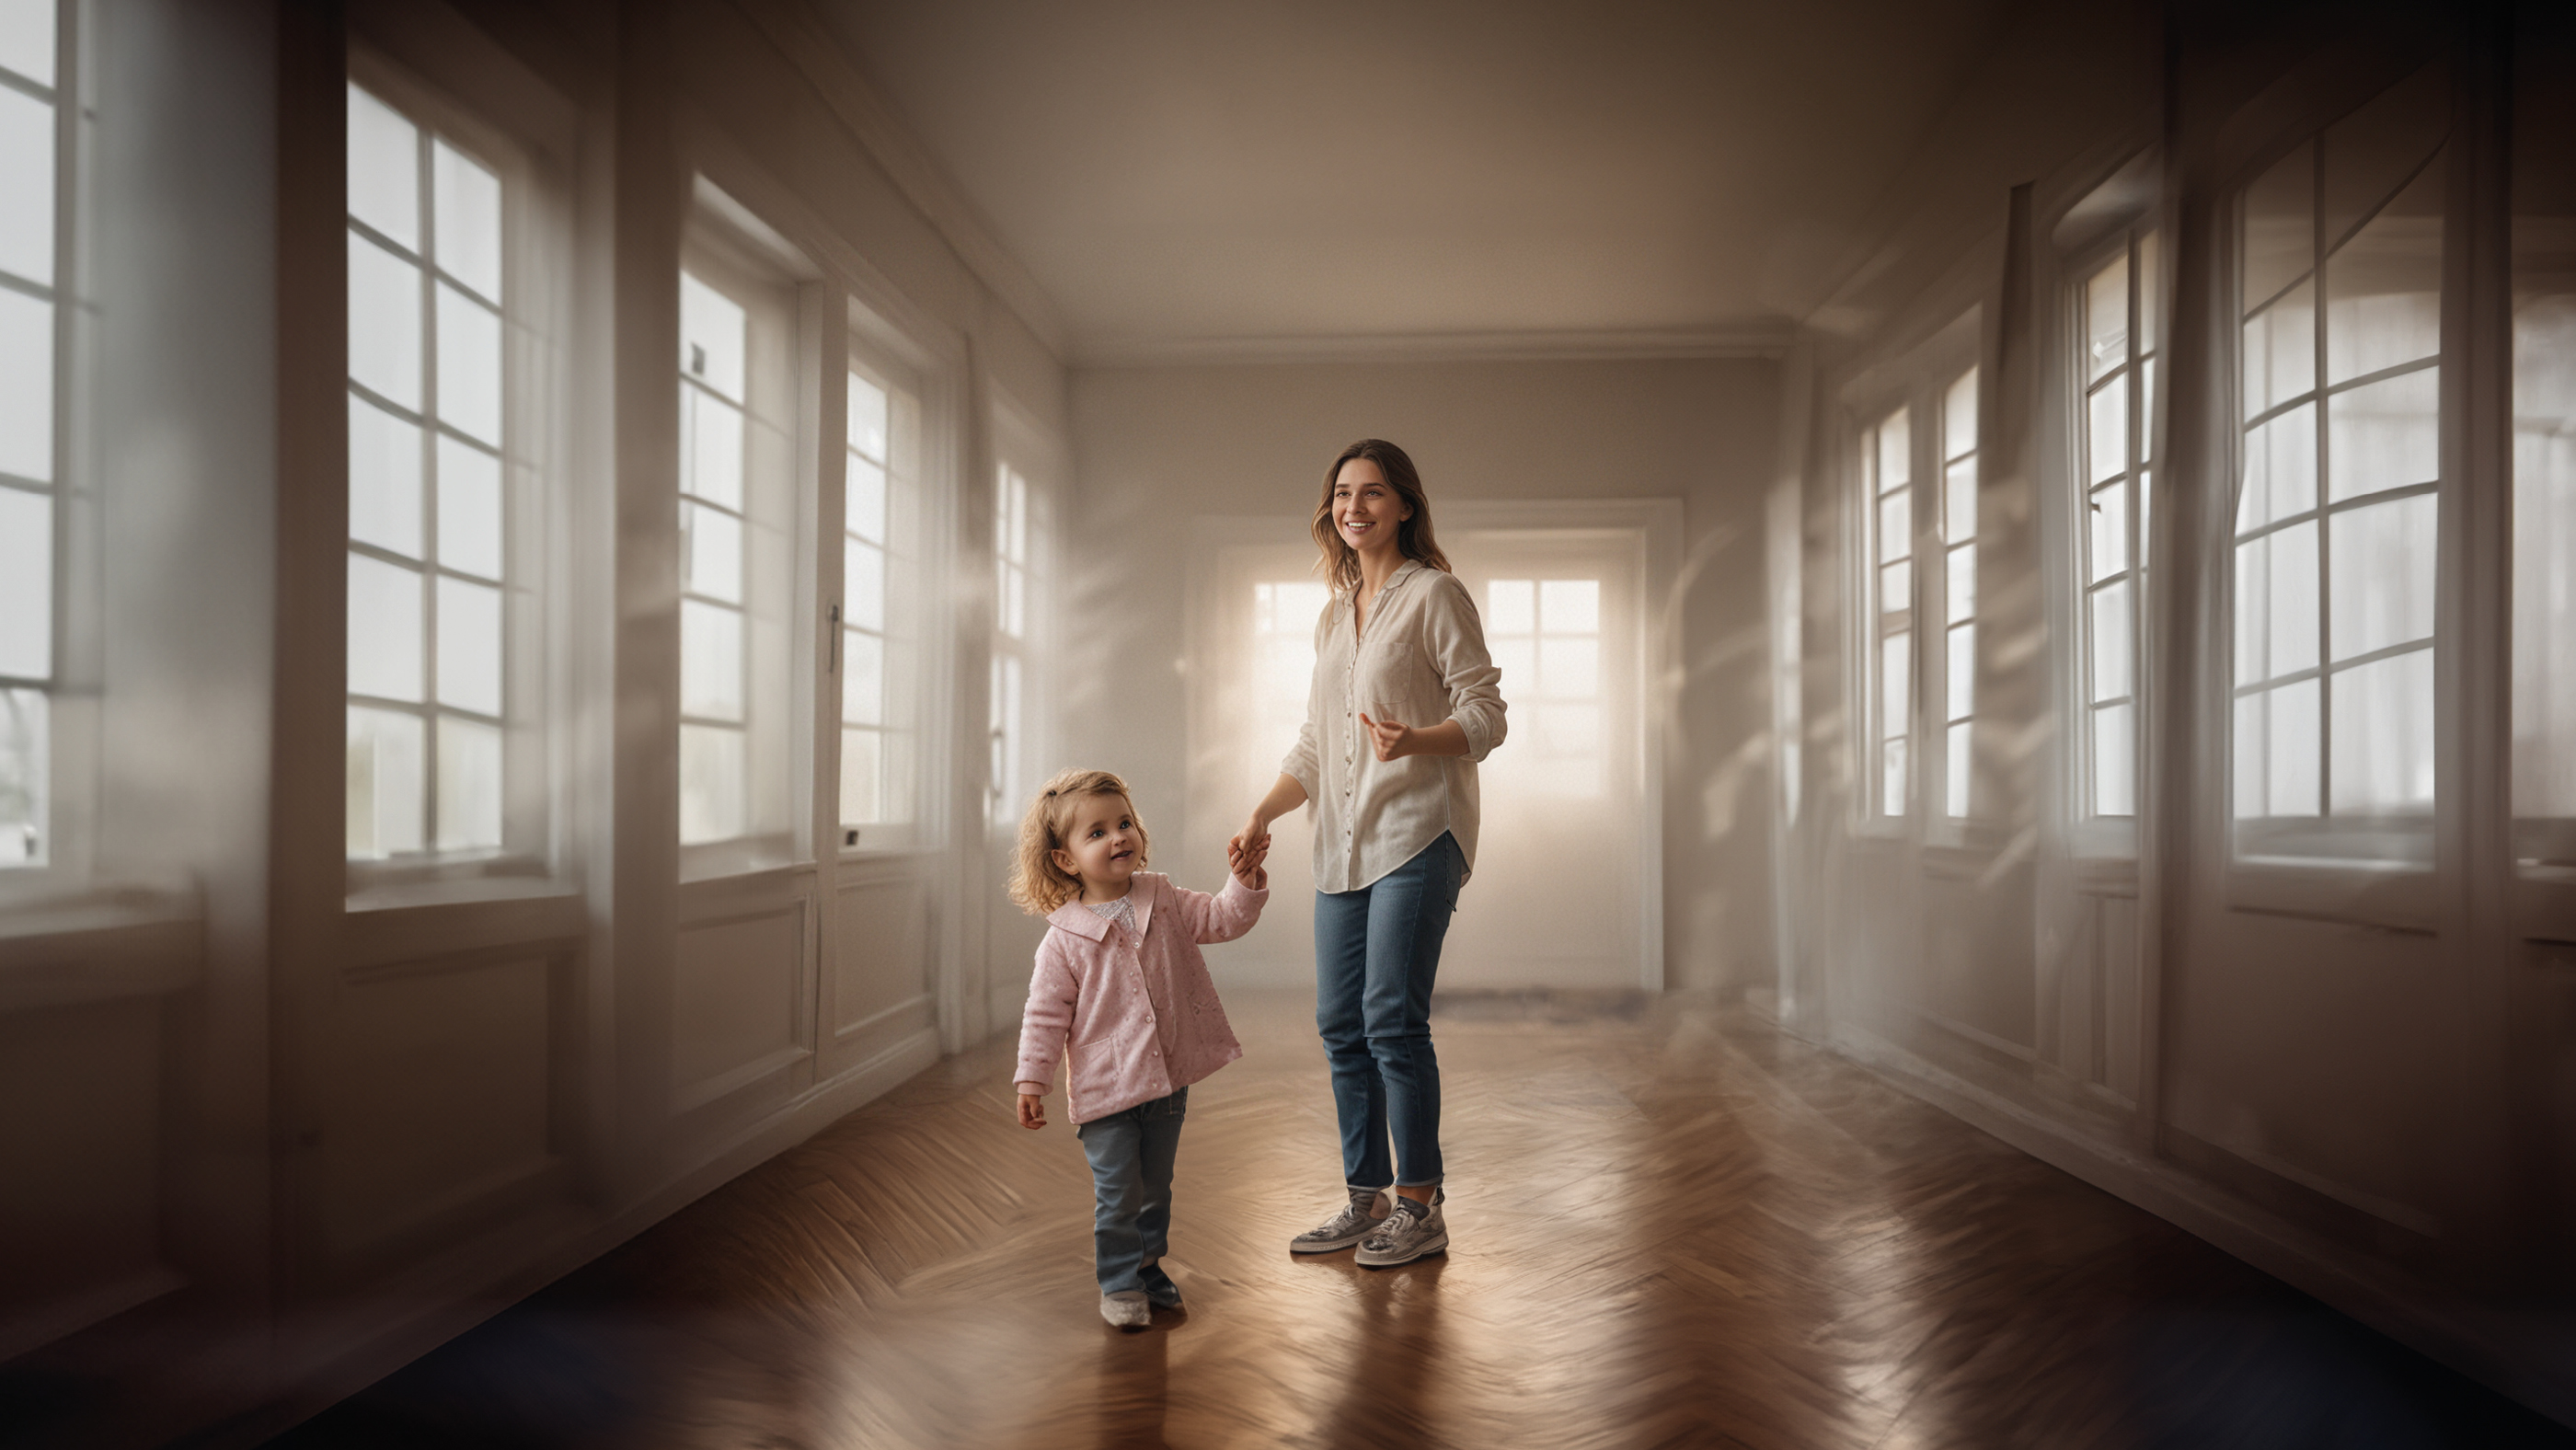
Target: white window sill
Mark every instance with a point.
(61, 944)
(2400, 896)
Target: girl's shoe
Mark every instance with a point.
(1126, 1309)
(1343, 1229)
(1410, 1232)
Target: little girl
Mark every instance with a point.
(1120, 978)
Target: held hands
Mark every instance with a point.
(1032, 1111)
(1245, 860)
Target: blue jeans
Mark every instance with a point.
(1376, 951)
(1131, 1155)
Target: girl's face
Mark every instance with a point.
(1366, 509)
(1101, 846)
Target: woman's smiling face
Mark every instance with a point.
(1366, 508)
(1101, 845)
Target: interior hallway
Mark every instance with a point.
(1674, 1226)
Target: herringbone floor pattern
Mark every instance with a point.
(1673, 1227)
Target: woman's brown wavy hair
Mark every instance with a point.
(1341, 564)
(1038, 885)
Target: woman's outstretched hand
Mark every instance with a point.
(1246, 864)
(1252, 840)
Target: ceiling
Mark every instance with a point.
(1208, 178)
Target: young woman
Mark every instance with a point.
(1404, 702)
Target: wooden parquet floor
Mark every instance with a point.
(1673, 1227)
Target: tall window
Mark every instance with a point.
(1010, 637)
(1547, 632)
(877, 600)
(427, 541)
(2336, 519)
(2117, 375)
(2544, 462)
(1959, 587)
(1888, 511)
(30, 182)
(715, 627)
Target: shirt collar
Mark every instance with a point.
(1082, 921)
(1403, 571)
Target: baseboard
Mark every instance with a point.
(2494, 1347)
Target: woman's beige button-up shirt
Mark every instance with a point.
(1423, 661)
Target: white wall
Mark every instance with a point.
(1156, 447)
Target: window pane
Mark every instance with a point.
(1015, 600)
(26, 386)
(469, 785)
(863, 593)
(710, 448)
(27, 181)
(711, 783)
(2147, 408)
(2280, 225)
(1891, 778)
(2106, 433)
(2111, 641)
(2383, 735)
(1895, 682)
(384, 322)
(1959, 502)
(469, 646)
(2280, 469)
(1568, 669)
(2382, 590)
(1511, 606)
(1895, 526)
(867, 500)
(2249, 794)
(2106, 319)
(384, 479)
(710, 661)
(2280, 359)
(469, 509)
(862, 765)
(710, 552)
(2115, 760)
(384, 629)
(1963, 582)
(467, 205)
(2291, 751)
(2290, 604)
(2384, 287)
(1569, 606)
(27, 38)
(2108, 514)
(384, 169)
(26, 777)
(1896, 587)
(1288, 671)
(1955, 787)
(1895, 451)
(867, 418)
(2253, 614)
(1962, 672)
(714, 333)
(469, 366)
(862, 679)
(1959, 415)
(2385, 435)
(388, 770)
(26, 584)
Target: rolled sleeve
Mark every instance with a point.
(1475, 683)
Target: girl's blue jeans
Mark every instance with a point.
(1131, 1155)
(1376, 952)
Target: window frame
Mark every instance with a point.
(905, 387)
(2140, 242)
(524, 310)
(1878, 623)
(2384, 844)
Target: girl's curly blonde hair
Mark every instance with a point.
(1038, 885)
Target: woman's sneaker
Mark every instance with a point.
(1343, 1229)
(1414, 1229)
(1127, 1309)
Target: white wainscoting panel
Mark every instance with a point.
(881, 967)
(738, 1006)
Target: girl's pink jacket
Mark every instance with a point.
(1142, 1021)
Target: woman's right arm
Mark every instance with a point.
(1285, 795)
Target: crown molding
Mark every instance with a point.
(815, 50)
(1765, 339)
